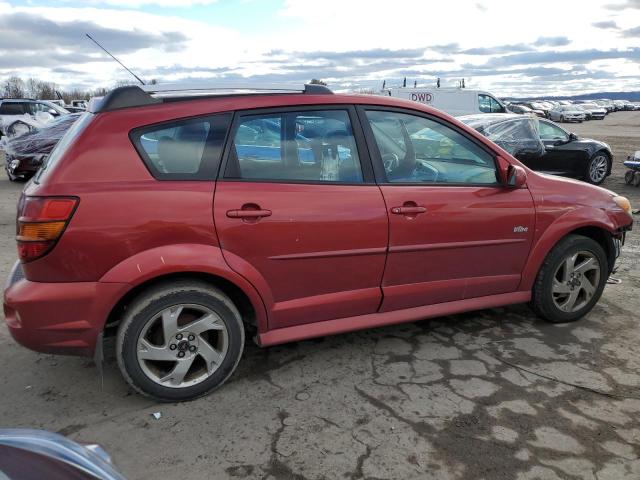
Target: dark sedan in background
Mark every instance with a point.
(546, 147)
(24, 154)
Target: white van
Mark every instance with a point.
(454, 101)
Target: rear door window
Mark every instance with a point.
(187, 149)
(305, 146)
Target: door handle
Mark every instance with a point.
(251, 214)
(408, 210)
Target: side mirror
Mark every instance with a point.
(51, 111)
(573, 137)
(516, 176)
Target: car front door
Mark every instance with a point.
(563, 156)
(455, 232)
(298, 213)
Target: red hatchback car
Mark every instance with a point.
(179, 222)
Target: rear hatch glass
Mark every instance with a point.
(62, 146)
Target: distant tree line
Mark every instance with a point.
(16, 87)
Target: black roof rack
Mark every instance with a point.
(137, 96)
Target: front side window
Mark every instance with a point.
(311, 146)
(549, 131)
(488, 104)
(419, 150)
(183, 150)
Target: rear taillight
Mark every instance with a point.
(41, 221)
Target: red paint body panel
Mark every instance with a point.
(466, 233)
(343, 325)
(329, 259)
(319, 256)
(59, 317)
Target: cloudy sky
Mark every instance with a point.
(506, 46)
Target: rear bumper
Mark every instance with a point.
(63, 318)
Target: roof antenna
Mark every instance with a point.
(122, 64)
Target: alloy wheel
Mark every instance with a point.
(575, 281)
(598, 168)
(182, 345)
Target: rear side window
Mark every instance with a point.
(306, 146)
(12, 108)
(187, 149)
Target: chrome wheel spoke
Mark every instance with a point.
(569, 265)
(170, 322)
(570, 302)
(209, 321)
(560, 287)
(211, 356)
(147, 351)
(586, 265)
(176, 376)
(588, 287)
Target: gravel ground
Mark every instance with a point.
(484, 395)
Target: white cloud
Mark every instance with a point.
(357, 33)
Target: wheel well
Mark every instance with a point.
(237, 296)
(602, 237)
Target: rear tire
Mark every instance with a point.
(179, 341)
(571, 280)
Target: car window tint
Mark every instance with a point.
(548, 131)
(313, 146)
(419, 150)
(177, 151)
(12, 108)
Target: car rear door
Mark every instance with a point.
(455, 232)
(298, 213)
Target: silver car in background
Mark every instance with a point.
(567, 113)
(593, 111)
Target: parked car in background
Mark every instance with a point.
(181, 250)
(567, 113)
(24, 154)
(13, 110)
(563, 154)
(37, 454)
(520, 109)
(535, 107)
(593, 111)
(619, 105)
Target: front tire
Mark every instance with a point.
(597, 168)
(179, 341)
(571, 280)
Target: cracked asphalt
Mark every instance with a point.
(494, 394)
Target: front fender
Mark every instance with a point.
(183, 258)
(562, 226)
